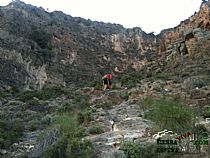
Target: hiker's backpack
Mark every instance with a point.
(109, 76)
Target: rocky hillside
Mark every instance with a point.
(56, 48)
(51, 100)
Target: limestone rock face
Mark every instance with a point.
(188, 29)
(53, 48)
(38, 48)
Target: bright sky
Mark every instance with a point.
(150, 15)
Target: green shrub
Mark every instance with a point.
(84, 116)
(42, 38)
(96, 129)
(192, 83)
(70, 144)
(80, 149)
(161, 76)
(52, 92)
(68, 119)
(169, 114)
(77, 102)
(96, 84)
(128, 81)
(47, 119)
(27, 95)
(67, 107)
(45, 54)
(131, 79)
(80, 101)
(82, 104)
(44, 94)
(138, 150)
(59, 149)
(68, 125)
(124, 95)
(147, 103)
(10, 132)
(206, 112)
(33, 125)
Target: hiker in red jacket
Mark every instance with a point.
(106, 76)
(107, 81)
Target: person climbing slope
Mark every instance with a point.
(107, 81)
(106, 77)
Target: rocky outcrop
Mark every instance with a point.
(189, 29)
(54, 48)
(121, 122)
(38, 48)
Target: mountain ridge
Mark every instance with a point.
(44, 42)
(50, 86)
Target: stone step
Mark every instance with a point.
(113, 137)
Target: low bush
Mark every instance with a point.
(47, 119)
(169, 114)
(67, 107)
(76, 103)
(70, 144)
(33, 125)
(80, 149)
(10, 132)
(147, 103)
(192, 83)
(59, 149)
(124, 95)
(131, 79)
(84, 116)
(96, 84)
(161, 76)
(81, 102)
(206, 112)
(27, 95)
(96, 129)
(44, 94)
(41, 37)
(138, 150)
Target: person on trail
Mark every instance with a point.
(107, 81)
(106, 77)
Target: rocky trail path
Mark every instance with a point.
(122, 122)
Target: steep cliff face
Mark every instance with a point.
(59, 49)
(187, 31)
(38, 47)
